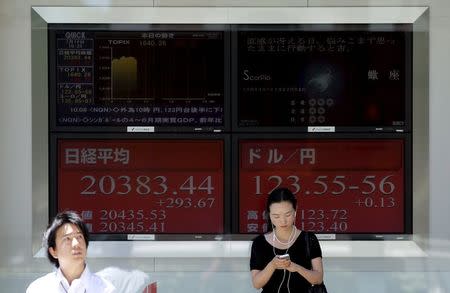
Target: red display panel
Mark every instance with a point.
(143, 186)
(342, 185)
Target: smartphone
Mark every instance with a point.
(283, 256)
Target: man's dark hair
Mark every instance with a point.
(66, 217)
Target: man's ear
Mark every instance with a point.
(52, 252)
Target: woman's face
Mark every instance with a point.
(282, 215)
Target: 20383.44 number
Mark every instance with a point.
(142, 185)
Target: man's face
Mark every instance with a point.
(70, 246)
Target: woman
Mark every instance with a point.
(293, 273)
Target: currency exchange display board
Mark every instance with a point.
(181, 131)
(342, 185)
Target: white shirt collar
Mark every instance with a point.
(78, 285)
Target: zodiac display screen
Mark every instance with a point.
(353, 78)
(108, 77)
(142, 186)
(343, 185)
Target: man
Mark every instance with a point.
(66, 241)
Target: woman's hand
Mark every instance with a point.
(314, 275)
(280, 264)
(293, 267)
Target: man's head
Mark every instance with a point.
(66, 240)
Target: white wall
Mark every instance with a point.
(18, 267)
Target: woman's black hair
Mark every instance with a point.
(276, 196)
(67, 217)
